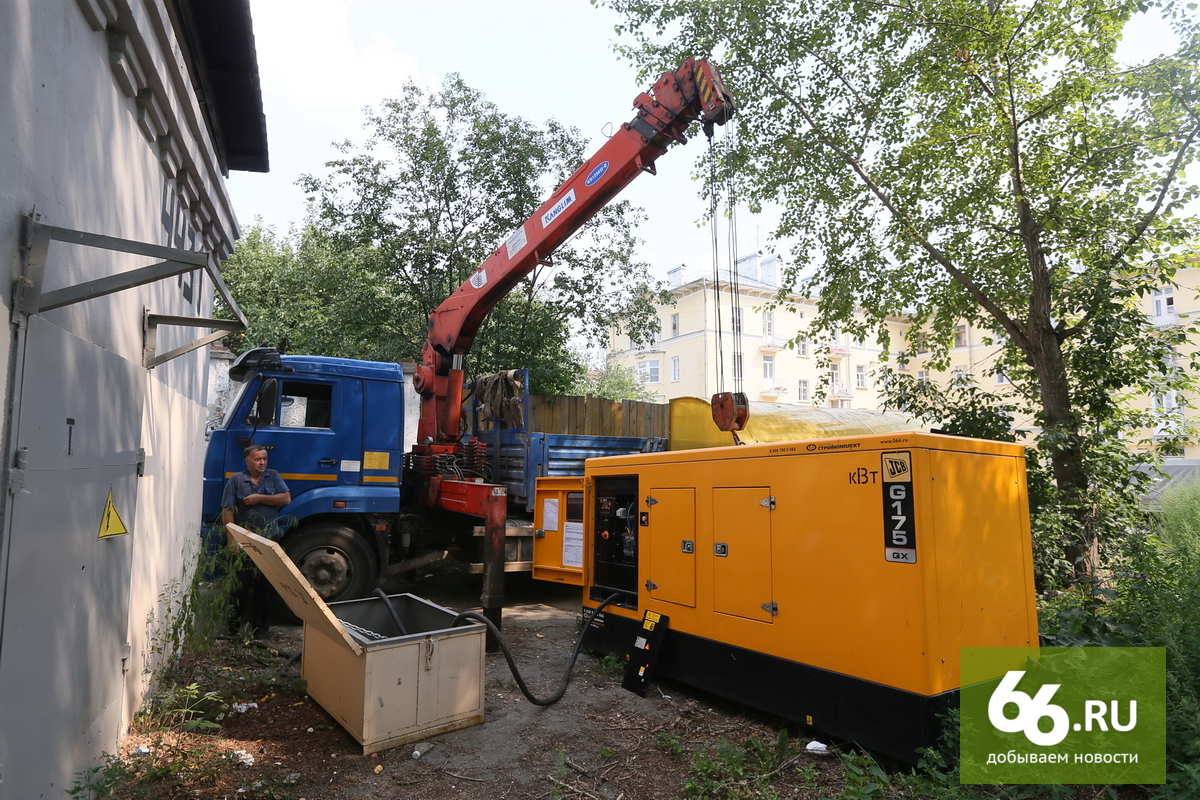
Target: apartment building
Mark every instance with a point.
(721, 334)
(690, 359)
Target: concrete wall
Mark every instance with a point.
(100, 133)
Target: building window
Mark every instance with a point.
(923, 376)
(769, 369)
(835, 378)
(675, 369)
(648, 371)
(736, 320)
(768, 320)
(860, 376)
(802, 391)
(960, 336)
(1001, 378)
(1164, 302)
(802, 347)
(961, 376)
(737, 366)
(674, 325)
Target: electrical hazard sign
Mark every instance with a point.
(110, 521)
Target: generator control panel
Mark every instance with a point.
(615, 539)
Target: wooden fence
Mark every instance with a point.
(595, 416)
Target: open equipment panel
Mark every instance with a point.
(830, 582)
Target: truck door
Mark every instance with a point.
(312, 432)
(558, 530)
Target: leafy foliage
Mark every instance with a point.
(1151, 598)
(989, 163)
(398, 224)
(612, 380)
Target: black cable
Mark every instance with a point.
(387, 602)
(512, 665)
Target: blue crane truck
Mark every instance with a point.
(335, 430)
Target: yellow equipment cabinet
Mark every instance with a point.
(831, 582)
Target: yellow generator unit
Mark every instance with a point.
(830, 582)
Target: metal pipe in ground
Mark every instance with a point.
(416, 563)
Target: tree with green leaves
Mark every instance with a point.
(401, 222)
(610, 379)
(983, 162)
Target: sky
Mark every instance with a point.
(321, 62)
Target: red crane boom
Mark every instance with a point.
(692, 92)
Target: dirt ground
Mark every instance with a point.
(600, 741)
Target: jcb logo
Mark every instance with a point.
(896, 468)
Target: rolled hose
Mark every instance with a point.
(387, 603)
(512, 665)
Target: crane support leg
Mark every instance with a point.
(489, 501)
(493, 559)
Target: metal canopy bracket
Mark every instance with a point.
(31, 300)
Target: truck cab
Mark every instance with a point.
(334, 430)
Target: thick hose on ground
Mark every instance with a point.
(387, 603)
(512, 665)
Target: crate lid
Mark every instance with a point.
(293, 587)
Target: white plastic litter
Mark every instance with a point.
(816, 747)
(244, 758)
(242, 708)
(421, 748)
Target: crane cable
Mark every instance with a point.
(735, 295)
(716, 263)
(734, 282)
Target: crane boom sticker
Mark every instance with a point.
(899, 525)
(110, 521)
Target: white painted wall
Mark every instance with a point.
(106, 140)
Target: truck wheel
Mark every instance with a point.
(335, 559)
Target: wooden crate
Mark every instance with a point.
(386, 688)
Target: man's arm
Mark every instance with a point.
(281, 499)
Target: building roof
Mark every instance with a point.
(218, 37)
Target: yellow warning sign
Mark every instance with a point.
(110, 523)
(375, 460)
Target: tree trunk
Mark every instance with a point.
(1061, 428)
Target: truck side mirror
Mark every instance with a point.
(264, 406)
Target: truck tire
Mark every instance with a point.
(335, 559)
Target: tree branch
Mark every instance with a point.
(1014, 328)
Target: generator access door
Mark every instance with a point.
(741, 553)
(669, 536)
(558, 530)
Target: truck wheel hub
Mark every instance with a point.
(328, 571)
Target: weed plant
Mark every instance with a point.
(184, 703)
(1150, 597)
(739, 771)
